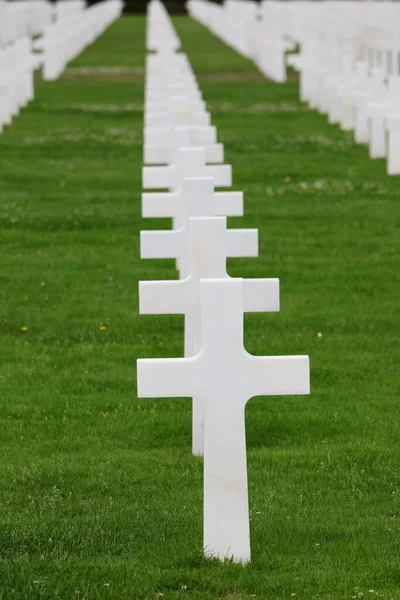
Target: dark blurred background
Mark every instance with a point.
(139, 6)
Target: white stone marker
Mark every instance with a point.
(188, 88)
(179, 117)
(223, 376)
(393, 126)
(163, 136)
(190, 162)
(375, 91)
(196, 198)
(210, 243)
(376, 114)
(182, 102)
(182, 137)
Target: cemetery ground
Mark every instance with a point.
(100, 495)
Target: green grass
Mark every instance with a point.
(100, 496)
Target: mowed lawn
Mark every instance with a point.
(100, 497)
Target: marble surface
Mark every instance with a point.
(189, 162)
(223, 377)
(209, 244)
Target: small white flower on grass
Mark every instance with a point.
(184, 587)
(319, 335)
(106, 585)
(42, 283)
(317, 546)
(160, 595)
(318, 185)
(293, 594)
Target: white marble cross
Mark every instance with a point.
(162, 136)
(157, 88)
(223, 376)
(182, 102)
(190, 162)
(179, 117)
(393, 126)
(210, 243)
(196, 198)
(181, 137)
(186, 88)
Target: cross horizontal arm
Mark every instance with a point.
(165, 377)
(261, 295)
(199, 119)
(215, 153)
(160, 205)
(222, 174)
(157, 136)
(185, 117)
(157, 177)
(160, 244)
(156, 120)
(278, 375)
(162, 298)
(156, 155)
(195, 136)
(242, 242)
(228, 204)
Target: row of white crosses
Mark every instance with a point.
(24, 18)
(65, 31)
(349, 68)
(349, 58)
(216, 371)
(241, 25)
(19, 21)
(17, 66)
(65, 39)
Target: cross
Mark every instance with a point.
(199, 136)
(158, 86)
(182, 102)
(181, 137)
(223, 376)
(393, 126)
(190, 162)
(157, 93)
(210, 243)
(179, 117)
(166, 66)
(195, 199)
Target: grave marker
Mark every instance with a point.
(210, 243)
(190, 162)
(196, 198)
(181, 137)
(223, 376)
